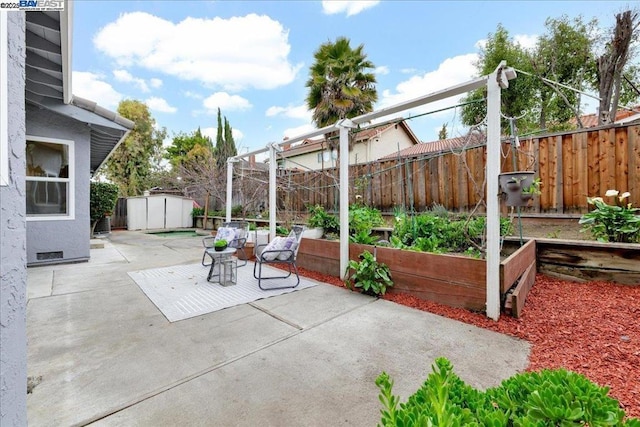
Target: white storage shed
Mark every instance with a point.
(159, 211)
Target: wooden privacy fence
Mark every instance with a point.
(571, 166)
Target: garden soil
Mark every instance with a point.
(590, 328)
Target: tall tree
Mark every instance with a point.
(340, 85)
(611, 65)
(129, 166)
(517, 100)
(442, 134)
(186, 146)
(563, 54)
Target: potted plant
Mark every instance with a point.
(319, 223)
(220, 245)
(519, 187)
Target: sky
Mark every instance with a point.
(251, 59)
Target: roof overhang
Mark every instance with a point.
(49, 86)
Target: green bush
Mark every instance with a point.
(319, 218)
(434, 232)
(371, 276)
(102, 200)
(612, 223)
(197, 212)
(363, 219)
(546, 398)
(237, 211)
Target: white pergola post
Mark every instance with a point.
(230, 162)
(272, 190)
(496, 81)
(344, 125)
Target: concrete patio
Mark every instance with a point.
(101, 353)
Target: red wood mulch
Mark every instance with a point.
(590, 328)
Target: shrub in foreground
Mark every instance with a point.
(546, 398)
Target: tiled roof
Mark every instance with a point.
(437, 146)
(591, 120)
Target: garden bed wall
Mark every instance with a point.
(588, 260)
(456, 281)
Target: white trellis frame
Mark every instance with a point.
(494, 83)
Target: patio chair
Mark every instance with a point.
(281, 250)
(235, 233)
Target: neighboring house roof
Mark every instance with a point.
(313, 145)
(438, 146)
(622, 116)
(48, 81)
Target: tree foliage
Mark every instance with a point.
(339, 84)
(225, 145)
(131, 163)
(564, 57)
(186, 147)
(611, 65)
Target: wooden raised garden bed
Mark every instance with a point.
(453, 280)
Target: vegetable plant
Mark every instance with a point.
(222, 243)
(617, 222)
(371, 276)
(319, 218)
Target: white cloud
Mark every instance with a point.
(527, 41)
(450, 72)
(213, 134)
(127, 77)
(155, 83)
(93, 87)
(225, 102)
(195, 49)
(194, 95)
(382, 70)
(299, 112)
(160, 105)
(331, 7)
(408, 70)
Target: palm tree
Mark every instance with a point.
(339, 84)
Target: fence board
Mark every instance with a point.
(571, 167)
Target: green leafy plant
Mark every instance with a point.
(363, 218)
(222, 243)
(618, 222)
(102, 201)
(282, 231)
(319, 218)
(197, 212)
(371, 276)
(429, 232)
(534, 188)
(546, 398)
(364, 237)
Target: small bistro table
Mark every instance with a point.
(217, 259)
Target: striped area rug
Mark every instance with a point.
(182, 291)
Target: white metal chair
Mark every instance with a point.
(282, 250)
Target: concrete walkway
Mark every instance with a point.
(102, 354)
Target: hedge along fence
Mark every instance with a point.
(571, 166)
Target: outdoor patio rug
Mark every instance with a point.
(182, 291)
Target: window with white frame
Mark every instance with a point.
(326, 156)
(49, 178)
(4, 100)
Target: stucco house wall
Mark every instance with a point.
(385, 142)
(67, 235)
(13, 273)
